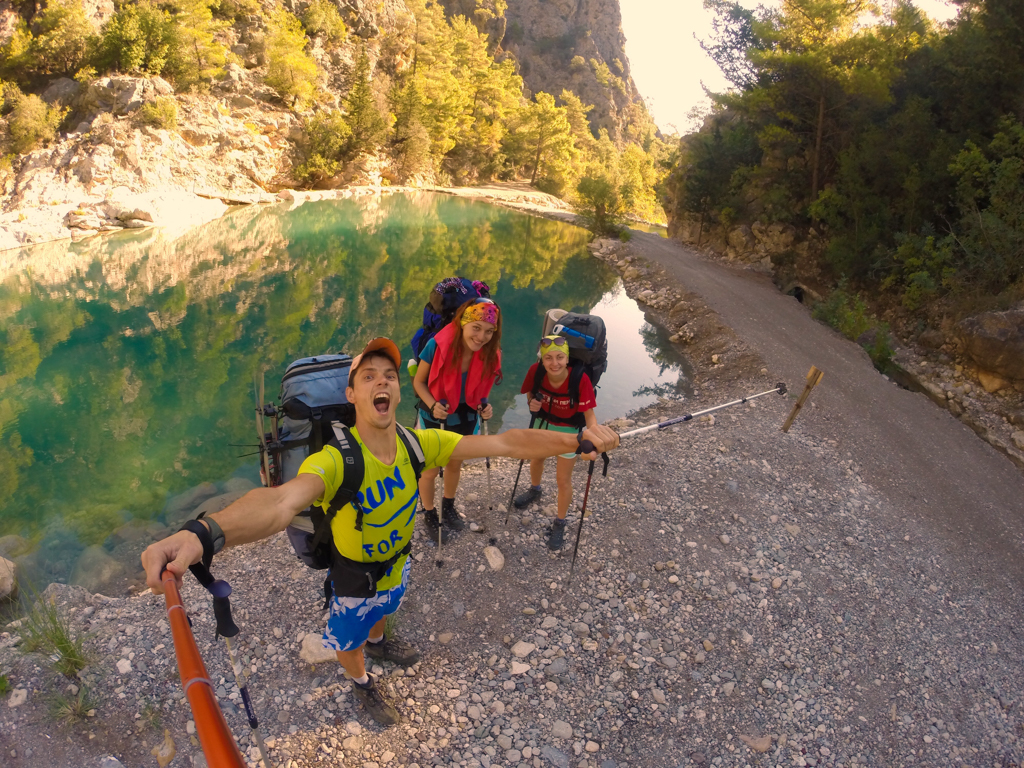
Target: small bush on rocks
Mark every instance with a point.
(329, 135)
(160, 113)
(322, 18)
(32, 122)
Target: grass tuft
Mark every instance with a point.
(391, 624)
(47, 630)
(71, 708)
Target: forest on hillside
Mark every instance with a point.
(435, 97)
(897, 141)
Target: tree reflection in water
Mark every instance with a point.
(126, 363)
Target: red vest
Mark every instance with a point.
(445, 380)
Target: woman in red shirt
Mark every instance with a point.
(557, 409)
(457, 369)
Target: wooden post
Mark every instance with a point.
(813, 377)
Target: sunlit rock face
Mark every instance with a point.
(566, 44)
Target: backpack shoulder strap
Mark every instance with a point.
(575, 377)
(414, 449)
(354, 467)
(538, 380)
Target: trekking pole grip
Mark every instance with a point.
(226, 626)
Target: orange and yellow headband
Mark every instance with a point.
(483, 311)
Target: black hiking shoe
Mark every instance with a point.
(450, 516)
(556, 535)
(432, 526)
(394, 650)
(527, 497)
(373, 700)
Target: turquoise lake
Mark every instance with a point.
(127, 363)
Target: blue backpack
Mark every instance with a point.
(445, 299)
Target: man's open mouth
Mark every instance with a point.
(382, 401)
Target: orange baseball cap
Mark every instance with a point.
(381, 344)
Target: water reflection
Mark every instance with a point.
(126, 363)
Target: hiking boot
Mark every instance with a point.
(450, 516)
(527, 497)
(432, 527)
(373, 700)
(556, 535)
(394, 650)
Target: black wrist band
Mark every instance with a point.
(215, 531)
(205, 538)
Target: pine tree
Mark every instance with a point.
(542, 142)
(363, 116)
(290, 70)
(196, 57)
(410, 140)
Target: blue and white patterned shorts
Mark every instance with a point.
(351, 618)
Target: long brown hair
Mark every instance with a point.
(489, 352)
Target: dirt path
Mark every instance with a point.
(930, 466)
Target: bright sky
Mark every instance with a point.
(669, 66)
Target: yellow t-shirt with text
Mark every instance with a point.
(388, 496)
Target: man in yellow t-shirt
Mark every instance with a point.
(388, 500)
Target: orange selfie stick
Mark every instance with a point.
(215, 737)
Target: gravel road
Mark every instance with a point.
(845, 594)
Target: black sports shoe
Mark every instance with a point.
(431, 527)
(394, 650)
(527, 497)
(556, 535)
(380, 709)
(450, 516)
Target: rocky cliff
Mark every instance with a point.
(238, 142)
(573, 44)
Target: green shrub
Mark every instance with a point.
(46, 630)
(5, 685)
(599, 204)
(16, 52)
(848, 314)
(32, 122)
(322, 18)
(160, 113)
(64, 40)
(328, 134)
(138, 38)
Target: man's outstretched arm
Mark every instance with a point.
(260, 513)
(534, 443)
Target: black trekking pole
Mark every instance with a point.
(508, 510)
(780, 388)
(227, 629)
(490, 488)
(583, 509)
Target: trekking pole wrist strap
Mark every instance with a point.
(204, 536)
